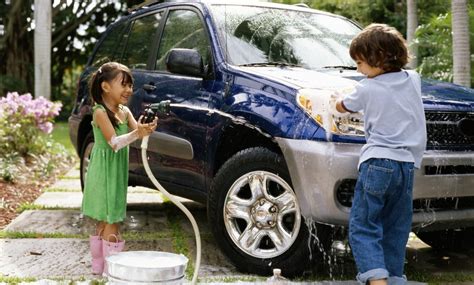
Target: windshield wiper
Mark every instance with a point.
(271, 63)
(341, 67)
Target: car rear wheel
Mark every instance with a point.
(255, 214)
(85, 157)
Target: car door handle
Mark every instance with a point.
(149, 87)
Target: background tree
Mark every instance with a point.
(76, 27)
(433, 35)
(435, 47)
(461, 50)
(16, 47)
(412, 24)
(42, 51)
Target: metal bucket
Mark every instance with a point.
(146, 267)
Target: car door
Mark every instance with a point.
(184, 129)
(136, 53)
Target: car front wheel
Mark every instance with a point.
(255, 214)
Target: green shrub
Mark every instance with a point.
(27, 149)
(436, 49)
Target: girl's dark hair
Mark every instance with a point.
(106, 73)
(380, 46)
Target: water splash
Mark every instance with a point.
(313, 239)
(335, 257)
(235, 119)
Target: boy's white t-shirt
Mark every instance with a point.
(394, 118)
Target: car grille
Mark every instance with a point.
(443, 204)
(345, 196)
(445, 133)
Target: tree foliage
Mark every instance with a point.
(436, 49)
(76, 27)
(433, 35)
(16, 47)
(391, 12)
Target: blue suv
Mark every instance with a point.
(249, 133)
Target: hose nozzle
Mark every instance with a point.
(152, 110)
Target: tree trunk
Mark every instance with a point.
(461, 51)
(412, 24)
(17, 44)
(43, 48)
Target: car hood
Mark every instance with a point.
(436, 94)
(299, 78)
(445, 95)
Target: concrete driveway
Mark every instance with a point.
(61, 254)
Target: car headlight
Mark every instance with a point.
(317, 103)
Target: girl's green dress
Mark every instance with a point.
(105, 190)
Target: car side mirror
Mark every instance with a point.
(185, 61)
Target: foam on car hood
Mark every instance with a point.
(301, 77)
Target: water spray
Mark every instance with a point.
(164, 107)
(150, 112)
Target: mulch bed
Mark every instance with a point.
(13, 195)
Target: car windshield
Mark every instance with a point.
(264, 35)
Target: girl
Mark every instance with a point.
(106, 182)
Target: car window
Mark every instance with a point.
(140, 41)
(109, 49)
(183, 29)
(264, 34)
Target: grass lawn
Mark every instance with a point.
(61, 135)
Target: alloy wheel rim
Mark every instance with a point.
(261, 214)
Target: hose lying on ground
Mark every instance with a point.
(155, 182)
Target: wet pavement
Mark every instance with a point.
(154, 224)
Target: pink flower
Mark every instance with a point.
(40, 110)
(46, 127)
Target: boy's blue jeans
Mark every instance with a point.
(380, 219)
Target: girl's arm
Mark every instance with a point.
(103, 122)
(132, 123)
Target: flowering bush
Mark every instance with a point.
(26, 148)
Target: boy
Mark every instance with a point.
(395, 130)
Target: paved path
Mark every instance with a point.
(151, 224)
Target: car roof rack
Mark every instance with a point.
(304, 5)
(149, 3)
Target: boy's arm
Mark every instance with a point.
(341, 108)
(337, 107)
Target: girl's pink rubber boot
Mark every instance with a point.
(95, 243)
(110, 248)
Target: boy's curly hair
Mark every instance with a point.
(380, 46)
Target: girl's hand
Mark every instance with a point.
(146, 129)
(153, 125)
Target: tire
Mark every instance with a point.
(249, 224)
(452, 239)
(85, 155)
